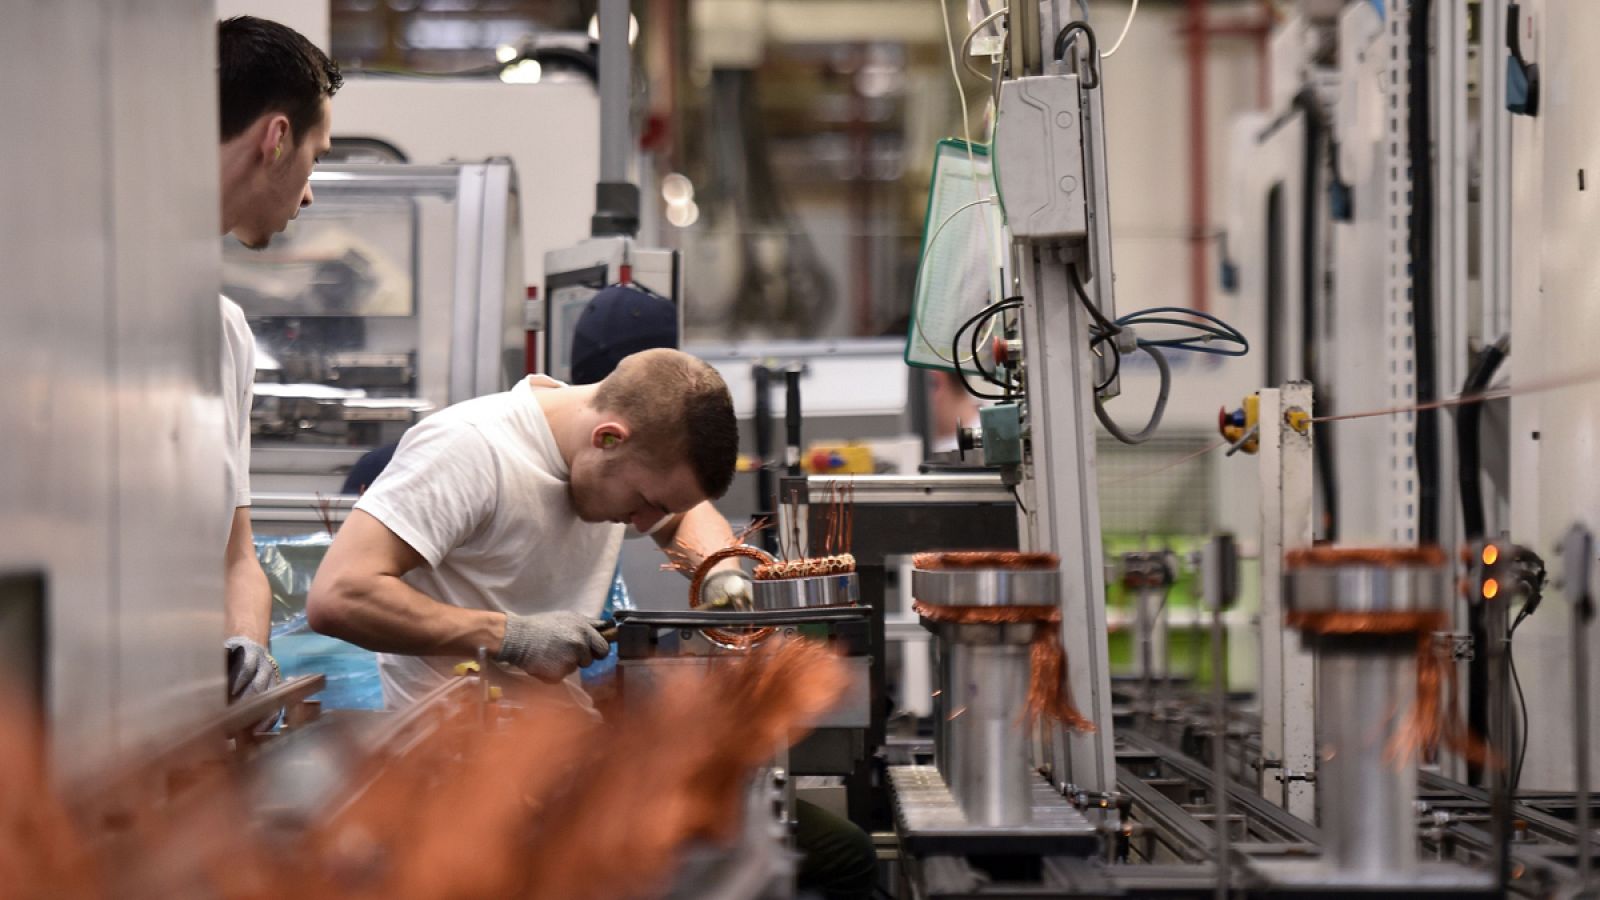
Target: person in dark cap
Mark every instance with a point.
(620, 321)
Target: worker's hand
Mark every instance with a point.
(550, 646)
(727, 590)
(251, 669)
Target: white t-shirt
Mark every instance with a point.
(238, 389)
(480, 491)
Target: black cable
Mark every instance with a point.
(1422, 286)
(1522, 703)
(977, 329)
(1018, 497)
(1106, 326)
(1468, 415)
(1093, 69)
(1473, 527)
(955, 348)
(1316, 132)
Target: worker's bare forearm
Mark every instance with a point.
(246, 595)
(699, 533)
(385, 614)
(247, 601)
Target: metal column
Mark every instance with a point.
(1288, 711)
(1064, 511)
(1064, 515)
(1399, 355)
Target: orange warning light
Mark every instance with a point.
(1491, 554)
(1491, 588)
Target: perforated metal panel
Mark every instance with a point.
(1399, 340)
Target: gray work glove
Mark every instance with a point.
(727, 589)
(550, 646)
(251, 669)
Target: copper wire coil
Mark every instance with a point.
(1335, 624)
(1318, 557)
(1049, 694)
(839, 564)
(985, 559)
(743, 639)
(988, 615)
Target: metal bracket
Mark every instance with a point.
(1265, 763)
(1289, 775)
(1461, 647)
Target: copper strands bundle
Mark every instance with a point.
(797, 559)
(1434, 719)
(1049, 693)
(681, 557)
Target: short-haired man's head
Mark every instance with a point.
(265, 67)
(678, 410)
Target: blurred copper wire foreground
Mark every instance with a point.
(552, 806)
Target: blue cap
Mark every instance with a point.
(620, 321)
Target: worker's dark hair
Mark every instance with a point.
(264, 67)
(680, 411)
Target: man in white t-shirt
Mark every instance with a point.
(498, 522)
(274, 87)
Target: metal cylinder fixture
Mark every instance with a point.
(989, 775)
(1368, 821)
(1363, 613)
(981, 738)
(840, 589)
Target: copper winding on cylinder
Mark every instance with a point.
(1337, 624)
(1434, 720)
(1049, 693)
(838, 564)
(1011, 560)
(1428, 556)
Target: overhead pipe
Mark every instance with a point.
(1197, 41)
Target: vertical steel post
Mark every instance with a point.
(1577, 556)
(1287, 673)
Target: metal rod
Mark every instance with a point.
(1219, 752)
(484, 695)
(1577, 553)
(1497, 627)
(1580, 726)
(1220, 585)
(791, 418)
(615, 76)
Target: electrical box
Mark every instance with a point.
(1038, 159)
(1002, 434)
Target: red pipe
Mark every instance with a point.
(1197, 39)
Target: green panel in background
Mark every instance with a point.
(1188, 652)
(1185, 590)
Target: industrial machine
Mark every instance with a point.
(398, 292)
(1330, 705)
